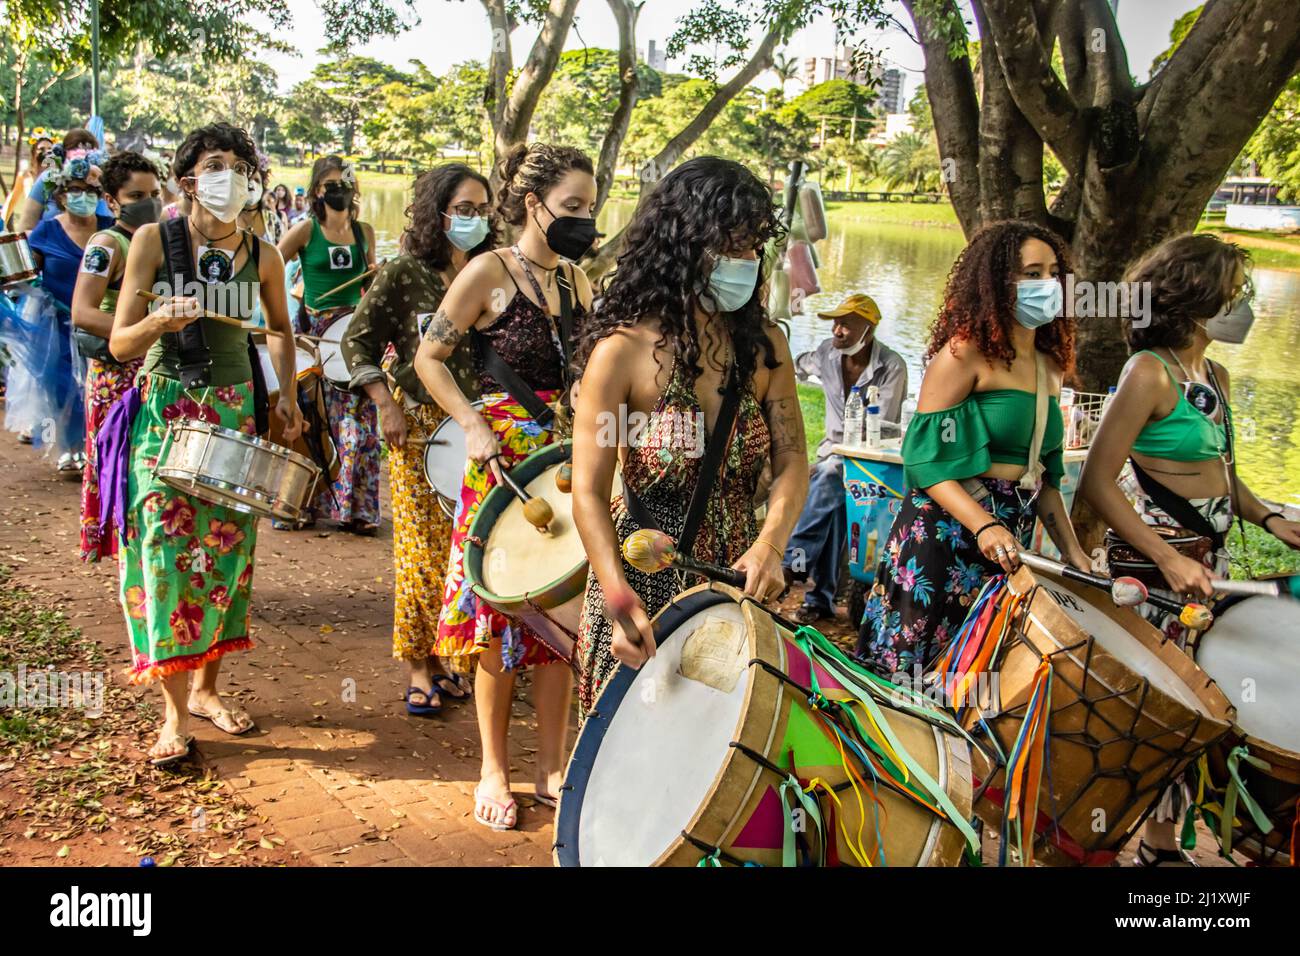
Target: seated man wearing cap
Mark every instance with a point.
(851, 356)
(299, 209)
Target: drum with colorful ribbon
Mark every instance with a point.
(1249, 788)
(747, 740)
(1088, 711)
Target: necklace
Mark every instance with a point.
(525, 261)
(208, 238)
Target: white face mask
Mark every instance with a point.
(849, 351)
(254, 194)
(223, 193)
(1232, 323)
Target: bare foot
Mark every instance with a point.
(210, 706)
(172, 743)
(494, 803)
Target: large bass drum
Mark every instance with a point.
(1126, 711)
(1253, 653)
(745, 741)
(316, 441)
(444, 462)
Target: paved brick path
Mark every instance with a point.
(331, 771)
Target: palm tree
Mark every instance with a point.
(784, 68)
(909, 160)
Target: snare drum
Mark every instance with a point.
(316, 441)
(224, 467)
(331, 350)
(444, 462)
(1128, 712)
(537, 577)
(16, 263)
(712, 752)
(1253, 653)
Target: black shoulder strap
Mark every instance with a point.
(261, 395)
(359, 236)
(564, 284)
(1177, 507)
(192, 347)
(714, 451)
(515, 386)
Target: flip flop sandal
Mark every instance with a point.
(546, 800)
(171, 759)
(456, 687)
(509, 812)
(428, 708)
(218, 719)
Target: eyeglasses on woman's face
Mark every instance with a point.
(467, 210)
(215, 164)
(79, 190)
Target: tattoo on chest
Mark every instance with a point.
(785, 424)
(442, 331)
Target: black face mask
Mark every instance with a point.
(140, 212)
(570, 236)
(338, 198)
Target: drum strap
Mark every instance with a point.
(190, 342)
(515, 386)
(261, 397)
(1177, 507)
(714, 451)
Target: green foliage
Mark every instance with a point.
(919, 109)
(839, 101)
(911, 161)
(1177, 33)
(584, 91)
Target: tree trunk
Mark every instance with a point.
(20, 78)
(626, 13)
(655, 168)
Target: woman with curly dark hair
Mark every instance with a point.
(507, 302)
(448, 224)
(683, 319)
(979, 460)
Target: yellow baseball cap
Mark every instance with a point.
(860, 305)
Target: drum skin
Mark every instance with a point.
(1277, 789)
(1110, 760)
(311, 394)
(741, 812)
(551, 610)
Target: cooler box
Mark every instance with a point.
(873, 492)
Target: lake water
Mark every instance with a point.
(904, 267)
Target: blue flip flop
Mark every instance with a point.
(463, 690)
(422, 710)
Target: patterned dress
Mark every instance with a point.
(663, 478)
(354, 423)
(105, 383)
(910, 613)
(187, 566)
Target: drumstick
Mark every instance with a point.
(1266, 588)
(536, 511)
(214, 316)
(428, 441)
(353, 281)
(1124, 591)
(653, 551)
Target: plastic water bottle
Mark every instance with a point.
(1067, 416)
(909, 409)
(853, 415)
(873, 417)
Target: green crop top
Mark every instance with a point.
(1185, 434)
(966, 440)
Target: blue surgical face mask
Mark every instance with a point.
(1038, 301)
(466, 232)
(82, 204)
(731, 283)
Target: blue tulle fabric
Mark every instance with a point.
(43, 390)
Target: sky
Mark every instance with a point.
(452, 31)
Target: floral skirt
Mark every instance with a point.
(421, 541)
(468, 626)
(187, 566)
(929, 574)
(354, 423)
(105, 383)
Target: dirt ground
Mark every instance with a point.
(336, 773)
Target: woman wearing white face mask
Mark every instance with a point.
(975, 483)
(187, 566)
(681, 323)
(1171, 421)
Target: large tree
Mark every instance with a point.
(1140, 160)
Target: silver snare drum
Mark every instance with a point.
(16, 263)
(444, 462)
(224, 467)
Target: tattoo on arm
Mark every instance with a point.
(443, 331)
(785, 423)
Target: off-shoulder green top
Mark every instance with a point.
(988, 427)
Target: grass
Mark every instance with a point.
(1269, 250)
(898, 213)
(812, 401)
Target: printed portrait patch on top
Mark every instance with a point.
(340, 257)
(97, 260)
